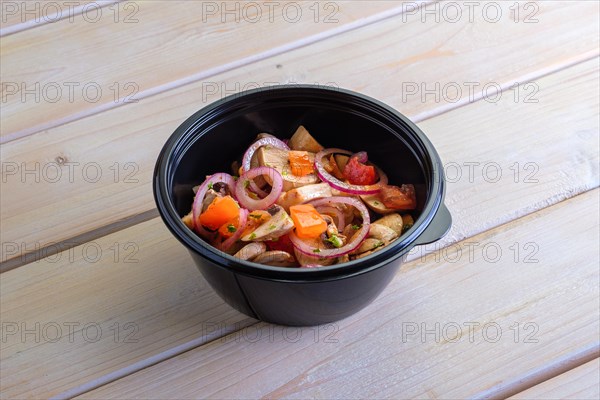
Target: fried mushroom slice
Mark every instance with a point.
(382, 232)
(250, 251)
(276, 258)
(392, 221)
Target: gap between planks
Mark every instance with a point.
(143, 94)
(502, 390)
(146, 215)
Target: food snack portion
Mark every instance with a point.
(297, 204)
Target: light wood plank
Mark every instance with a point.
(152, 46)
(580, 383)
(18, 16)
(137, 289)
(168, 318)
(377, 355)
(113, 137)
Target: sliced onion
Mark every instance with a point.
(202, 189)
(349, 247)
(335, 212)
(343, 186)
(246, 201)
(240, 229)
(247, 159)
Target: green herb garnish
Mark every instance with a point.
(231, 228)
(252, 236)
(378, 244)
(356, 227)
(316, 250)
(376, 203)
(246, 184)
(210, 185)
(335, 241)
(272, 227)
(254, 216)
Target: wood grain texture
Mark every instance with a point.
(109, 142)
(167, 299)
(580, 383)
(17, 16)
(385, 351)
(153, 45)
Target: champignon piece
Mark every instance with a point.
(303, 194)
(279, 225)
(408, 221)
(279, 159)
(374, 202)
(302, 140)
(341, 161)
(188, 220)
(382, 232)
(365, 254)
(342, 259)
(276, 258)
(368, 244)
(351, 230)
(392, 221)
(251, 250)
(208, 198)
(304, 259)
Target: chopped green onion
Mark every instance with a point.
(356, 227)
(210, 185)
(252, 236)
(231, 228)
(316, 250)
(335, 241)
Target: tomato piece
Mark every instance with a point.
(300, 163)
(220, 211)
(399, 198)
(358, 173)
(308, 221)
(229, 228)
(283, 243)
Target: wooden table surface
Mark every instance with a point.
(98, 300)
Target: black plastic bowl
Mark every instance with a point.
(212, 138)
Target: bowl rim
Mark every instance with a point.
(197, 245)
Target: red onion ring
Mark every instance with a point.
(351, 246)
(226, 244)
(343, 186)
(246, 201)
(247, 159)
(335, 212)
(197, 205)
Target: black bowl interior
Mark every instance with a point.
(213, 148)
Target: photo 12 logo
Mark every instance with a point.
(70, 332)
(473, 11)
(453, 332)
(71, 92)
(270, 11)
(54, 11)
